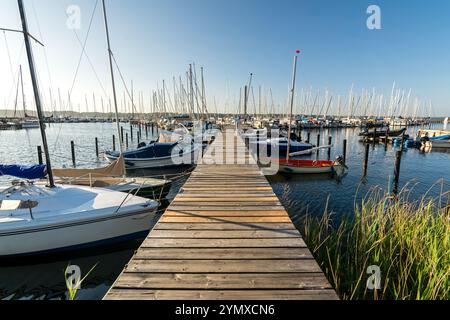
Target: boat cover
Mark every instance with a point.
(115, 169)
(31, 172)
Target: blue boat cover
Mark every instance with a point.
(23, 171)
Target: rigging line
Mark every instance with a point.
(42, 40)
(15, 75)
(9, 55)
(83, 52)
(83, 46)
(123, 81)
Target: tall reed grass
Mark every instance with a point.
(408, 240)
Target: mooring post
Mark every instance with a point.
(126, 139)
(366, 160)
(386, 141)
(96, 147)
(309, 137)
(139, 137)
(131, 130)
(146, 130)
(318, 145)
(344, 151)
(330, 141)
(398, 160)
(39, 150)
(72, 149)
(121, 134)
(114, 143)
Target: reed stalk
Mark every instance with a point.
(408, 240)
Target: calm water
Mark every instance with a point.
(300, 194)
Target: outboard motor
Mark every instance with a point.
(142, 145)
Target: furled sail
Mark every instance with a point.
(31, 172)
(115, 169)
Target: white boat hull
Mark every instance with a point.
(77, 235)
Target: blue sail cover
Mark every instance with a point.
(31, 172)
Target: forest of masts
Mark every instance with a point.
(187, 95)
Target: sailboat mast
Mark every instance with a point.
(112, 78)
(37, 97)
(294, 76)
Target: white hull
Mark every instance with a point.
(88, 232)
(68, 217)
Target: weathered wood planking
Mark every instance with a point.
(225, 236)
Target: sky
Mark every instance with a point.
(154, 40)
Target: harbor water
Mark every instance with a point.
(421, 173)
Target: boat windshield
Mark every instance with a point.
(13, 205)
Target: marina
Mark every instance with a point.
(196, 190)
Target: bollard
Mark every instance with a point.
(330, 140)
(398, 160)
(344, 151)
(96, 147)
(366, 160)
(39, 150)
(72, 148)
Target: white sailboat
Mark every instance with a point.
(37, 220)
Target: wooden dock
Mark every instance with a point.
(225, 236)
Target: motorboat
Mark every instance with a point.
(311, 166)
(158, 155)
(279, 145)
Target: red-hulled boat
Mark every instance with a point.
(310, 166)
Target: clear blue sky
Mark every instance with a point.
(157, 39)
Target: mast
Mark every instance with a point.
(292, 103)
(37, 97)
(112, 78)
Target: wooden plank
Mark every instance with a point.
(224, 243)
(223, 253)
(223, 226)
(234, 220)
(225, 213)
(184, 199)
(226, 206)
(189, 281)
(221, 266)
(125, 294)
(224, 234)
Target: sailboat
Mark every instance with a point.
(294, 166)
(113, 177)
(39, 220)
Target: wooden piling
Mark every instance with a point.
(398, 160)
(39, 151)
(72, 149)
(96, 147)
(366, 159)
(126, 140)
(344, 151)
(114, 142)
(330, 141)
